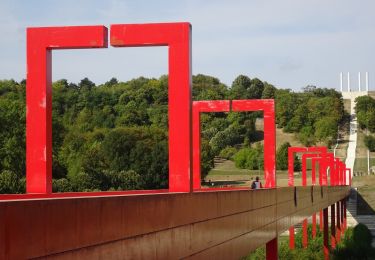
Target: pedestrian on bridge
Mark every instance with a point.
(257, 184)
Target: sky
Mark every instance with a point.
(289, 43)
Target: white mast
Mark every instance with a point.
(366, 81)
(359, 81)
(348, 82)
(341, 81)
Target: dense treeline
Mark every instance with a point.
(365, 111)
(114, 136)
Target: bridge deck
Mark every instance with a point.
(220, 224)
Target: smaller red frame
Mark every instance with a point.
(295, 149)
(268, 108)
(198, 108)
(265, 105)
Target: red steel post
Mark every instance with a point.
(333, 227)
(271, 250)
(313, 231)
(321, 220)
(177, 36)
(198, 108)
(40, 43)
(338, 221)
(291, 151)
(325, 234)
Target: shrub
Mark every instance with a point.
(61, 185)
(247, 158)
(9, 182)
(228, 152)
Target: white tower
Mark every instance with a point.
(359, 81)
(366, 81)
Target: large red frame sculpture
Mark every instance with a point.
(40, 43)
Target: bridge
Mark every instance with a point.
(183, 221)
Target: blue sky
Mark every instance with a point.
(288, 43)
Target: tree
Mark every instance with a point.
(249, 158)
(369, 141)
(326, 130)
(255, 89)
(239, 87)
(9, 182)
(268, 91)
(282, 156)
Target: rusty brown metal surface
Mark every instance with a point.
(220, 224)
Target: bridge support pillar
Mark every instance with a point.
(291, 237)
(333, 226)
(304, 233)
(271, 250)
(321, 220)
(314, 225)
(344, 215)
(325, 233)
(338, 220)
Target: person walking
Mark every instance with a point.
(257, 184)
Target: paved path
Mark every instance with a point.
(350, 156)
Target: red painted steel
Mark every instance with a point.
(291, 151)
(198, 108)
(333, 226)
(40, 43)
(321, 220)
(291, 238)
(322, 181)
(268, 108)
(325, 234)
(271, 250)
(313, 231)
(338, 221)
(304, 183)
(177, 36)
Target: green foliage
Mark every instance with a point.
(356, 244)
(115, 135)
(228, 152)
(282, 156)
(61, 185)
(313, 115)
(325, 130)
(207, 158)
(365, 109)
(249, 158)
(245, 88)
(370, 142)
(9, 182)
